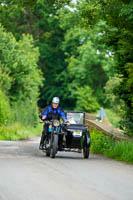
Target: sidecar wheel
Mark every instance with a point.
(86, 152)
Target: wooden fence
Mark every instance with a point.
(107, 129)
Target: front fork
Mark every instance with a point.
(54, 139)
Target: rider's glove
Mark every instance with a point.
(67, 122)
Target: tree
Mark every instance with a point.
(41, 21)
(19, 76)
(86, 101)
(80, 45)
(119, 36)
(118, 15)
(90, 61)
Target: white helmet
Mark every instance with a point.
(56, 100)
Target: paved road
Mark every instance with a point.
(26, 174)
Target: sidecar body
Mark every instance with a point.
(77, 134)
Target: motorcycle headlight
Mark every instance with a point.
(56, 123)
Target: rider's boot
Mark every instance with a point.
(41, 146)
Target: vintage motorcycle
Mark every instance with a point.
(51, 141)
(71, 137)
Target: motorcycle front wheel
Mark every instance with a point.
(47, 146)
(54, 146)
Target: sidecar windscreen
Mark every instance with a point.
(75, 117)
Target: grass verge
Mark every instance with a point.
(17, 131)
(118, 150)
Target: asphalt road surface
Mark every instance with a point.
(27, 174)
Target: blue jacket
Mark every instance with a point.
(55, 111)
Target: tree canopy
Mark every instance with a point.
(83, 49)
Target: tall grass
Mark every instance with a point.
(19, 120)
(26, 113)
(122, 151)
(118, 150)
(113, 117)
(17, 131)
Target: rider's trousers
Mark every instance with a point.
(45, 131)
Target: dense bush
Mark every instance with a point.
(16, 132)
(118, 150)
(26, 113)
(5, 110)
(99, 143)
(113, 117)
(127, 124)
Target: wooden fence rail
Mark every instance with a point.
(107, 129)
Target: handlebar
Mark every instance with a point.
(51, 121)
(46, 121)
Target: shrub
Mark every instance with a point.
(113, 117)
(26, 113)
(127, 124)
(121, 150)
(99, 143)
(5, 111)
(118, 150)
(17, 131)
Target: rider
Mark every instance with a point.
(52, 112)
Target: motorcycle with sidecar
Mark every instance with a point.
(71, 137)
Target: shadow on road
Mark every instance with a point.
(69, 157)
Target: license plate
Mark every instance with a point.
(77, 133)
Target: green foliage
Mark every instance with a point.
(99, 143)
(122, 151)
(89, 12)
(127, 124)
(89, 61)
(86, 101)
(5, 110)
(40, 20)
(116, 105)
(118, 150)
(17, 132)
(110, 87)
(126, 91)
(89, 43)
(63, 42)
(122, 42)
(26, 113)
(19, 78)
(114, 116)
(118, 35)
(19, 64)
